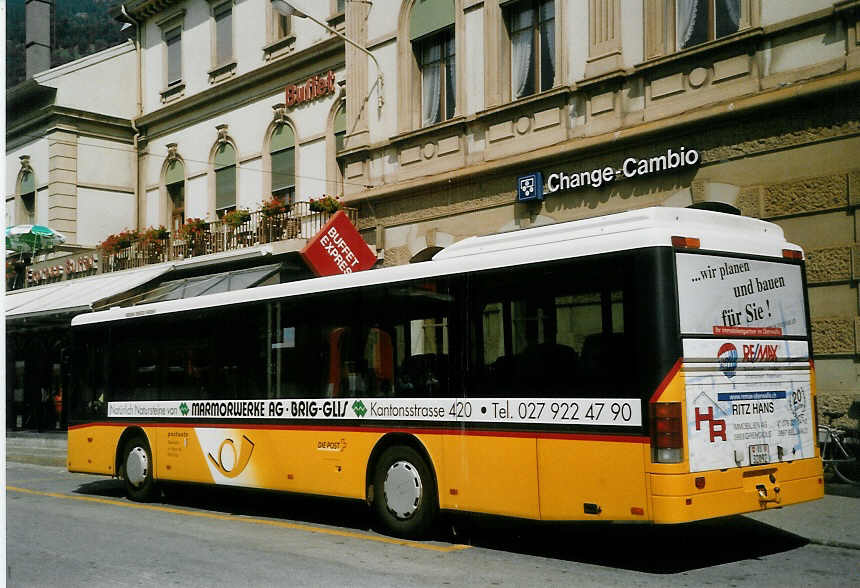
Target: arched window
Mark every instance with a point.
(339, 130)
(225, 179)
(282, 148)
(174, 181)
(27, 190)
(431, 32)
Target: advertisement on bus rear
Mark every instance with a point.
(736, 297)
(748, 402)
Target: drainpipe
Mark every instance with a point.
(139, 113)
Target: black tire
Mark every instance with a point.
(137, 469)
(404, 493)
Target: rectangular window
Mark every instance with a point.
(699, 21)
(587, 330)
(437, 62)
(173, 40)
(384, 341)
(532, 30)
(280, 25)
(224, 33)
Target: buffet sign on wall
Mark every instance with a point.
(55, 270)
(313, 88)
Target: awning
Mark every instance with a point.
(76, 296)
(209, 284)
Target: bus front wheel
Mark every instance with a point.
(404, 492)
(137, 469)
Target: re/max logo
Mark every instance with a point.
(760, 352)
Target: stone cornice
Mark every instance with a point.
(42, 120)
(143, 9)
(613, 140)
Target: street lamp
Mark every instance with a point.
(285, 8)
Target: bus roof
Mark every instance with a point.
(635, 229)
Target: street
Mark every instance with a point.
(77, 530)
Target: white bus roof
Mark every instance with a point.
(635, 229)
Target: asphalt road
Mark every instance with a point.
(74, 530)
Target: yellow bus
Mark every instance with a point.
(653, 366)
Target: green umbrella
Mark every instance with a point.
(32, 238)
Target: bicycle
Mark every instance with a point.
(838, 450)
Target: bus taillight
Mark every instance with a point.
(667, 435)
(685, 242)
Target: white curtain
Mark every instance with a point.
(431, 86)
(548, 37)
(687, 10)
(521, 61)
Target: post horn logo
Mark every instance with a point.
(230, 463)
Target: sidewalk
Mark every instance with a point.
(46, 448)
(834, 520)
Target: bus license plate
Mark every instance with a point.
(759, 454)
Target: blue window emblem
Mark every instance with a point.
(530, 187)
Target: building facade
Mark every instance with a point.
(479, 94)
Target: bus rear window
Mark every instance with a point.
(738, 297)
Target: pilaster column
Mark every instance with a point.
(604, 37)
(63, 181)
(357, 100)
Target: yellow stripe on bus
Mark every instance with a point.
(281, 524)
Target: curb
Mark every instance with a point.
(46, 460)
(828, 543)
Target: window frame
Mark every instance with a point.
(661, 26)
(409, 104)
(172, 27)
(537, 25)
(445, 39)
(216, 168)
(27, 212)
(287, 193)
(222, 68)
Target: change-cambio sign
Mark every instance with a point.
(736, 297)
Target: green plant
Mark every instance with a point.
(234, 218)
(193, 227)
(274, 207)
(119, 241)
(330, 204)
(155, 234)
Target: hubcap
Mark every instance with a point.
(402, 489)
(136, 466)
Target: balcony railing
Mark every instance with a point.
(300, 222)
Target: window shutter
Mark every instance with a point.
(225, 176)
(283, 169)
(175, 172)
(429, 16)
(174, 56)
(28, 183)
(224, 34)
(225, 187)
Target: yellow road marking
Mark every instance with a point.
(209, 515)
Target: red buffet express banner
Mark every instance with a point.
(338, 249)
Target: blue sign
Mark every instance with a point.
(530, 187)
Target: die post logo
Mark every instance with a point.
(229, 462)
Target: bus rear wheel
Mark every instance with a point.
(404, 493)
(137, 469)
